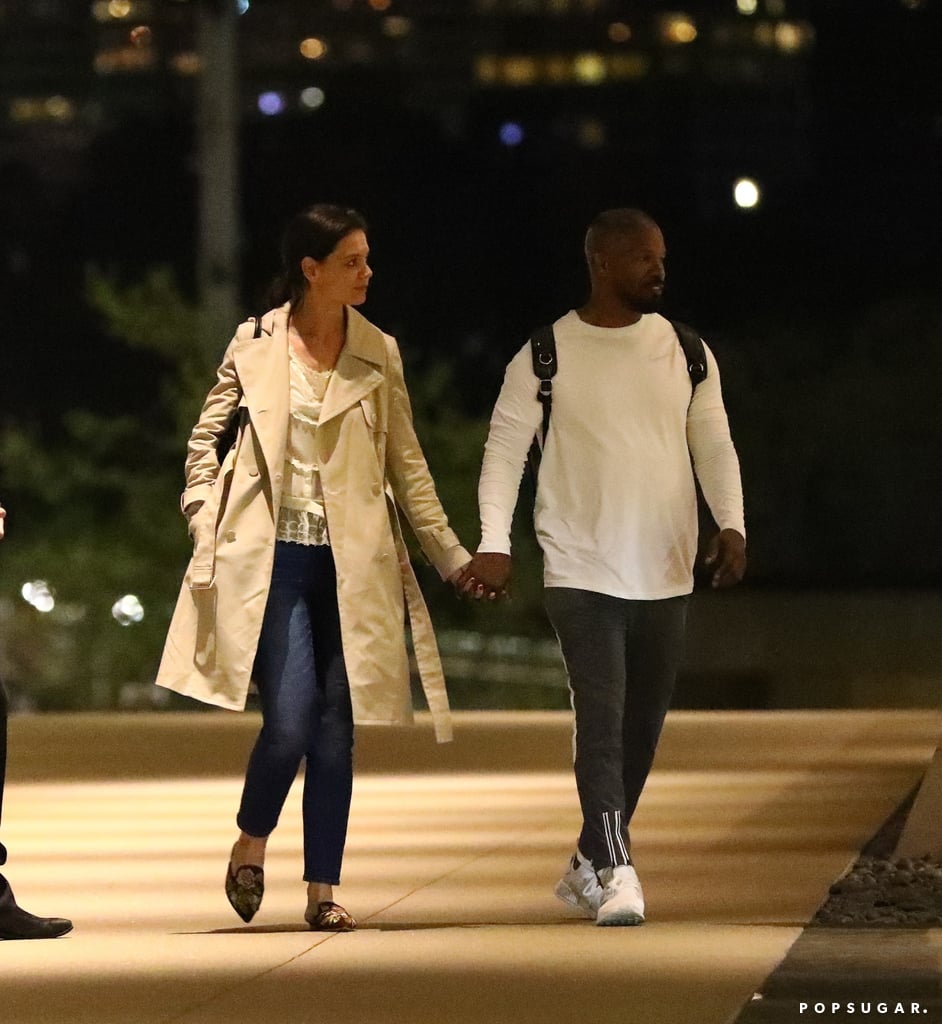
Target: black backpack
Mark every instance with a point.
(543, 354)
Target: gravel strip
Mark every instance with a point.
(880, 892)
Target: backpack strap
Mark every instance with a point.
(692, 344)
(543, 354)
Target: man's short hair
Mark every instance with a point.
(611, 224)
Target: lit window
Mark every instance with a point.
(58, 108)
(679, 29)
(619, 32)
(486, 70)
(557, 70)
(519, 71)
(141, 35)
(313, 48)
(765, 34)
(591, 133)
(628, 65)
(589, 68)
(124, 59)
(791, 36)
(746, 194)
(187, 63)
(396, 27)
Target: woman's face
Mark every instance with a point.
(344, 275)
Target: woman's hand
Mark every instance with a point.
(3, 515)
(486, 575)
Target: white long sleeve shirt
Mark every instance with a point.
(616, 505)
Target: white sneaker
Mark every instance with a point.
(622, 898)
(580, 887)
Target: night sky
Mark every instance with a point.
(822, 304)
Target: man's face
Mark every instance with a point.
(634, 265)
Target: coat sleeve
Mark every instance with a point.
(202, 460)
(411, 481)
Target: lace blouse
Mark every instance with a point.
(301, 518)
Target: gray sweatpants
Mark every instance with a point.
(622, 659)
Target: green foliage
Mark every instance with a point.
(153, 316)
(96, 517)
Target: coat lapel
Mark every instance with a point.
(262, 365)
(359, 369)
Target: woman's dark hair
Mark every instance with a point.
(313, 232)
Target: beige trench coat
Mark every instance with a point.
(369, 459)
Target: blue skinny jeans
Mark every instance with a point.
(306, 710)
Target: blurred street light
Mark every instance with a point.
(746, 193)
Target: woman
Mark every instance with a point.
(300, 578)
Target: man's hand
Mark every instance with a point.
(3, 515)
(486, 575)
(727, 558)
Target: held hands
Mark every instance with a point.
(486, 575)
(727, 558)
(3, 515)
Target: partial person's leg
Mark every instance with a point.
(4, 709)
(655, 649)
(591, 629)
(7, 902)
(285, 673)
(16, 923)
(287, 684)
(328, 779)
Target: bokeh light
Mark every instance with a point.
(312, 97)
(38, 594)
(128, 610)
(746, 193)
(619, 32)
(511, 133)
(271, 103)
(679, 29)
(590, 68)
(313, 48)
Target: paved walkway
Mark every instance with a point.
(123, 823)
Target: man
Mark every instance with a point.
(616, 518)
(16, 923)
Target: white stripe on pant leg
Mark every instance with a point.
(606, 824)
(621, 841)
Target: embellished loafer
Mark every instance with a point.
(329, 917)
(245, 889)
